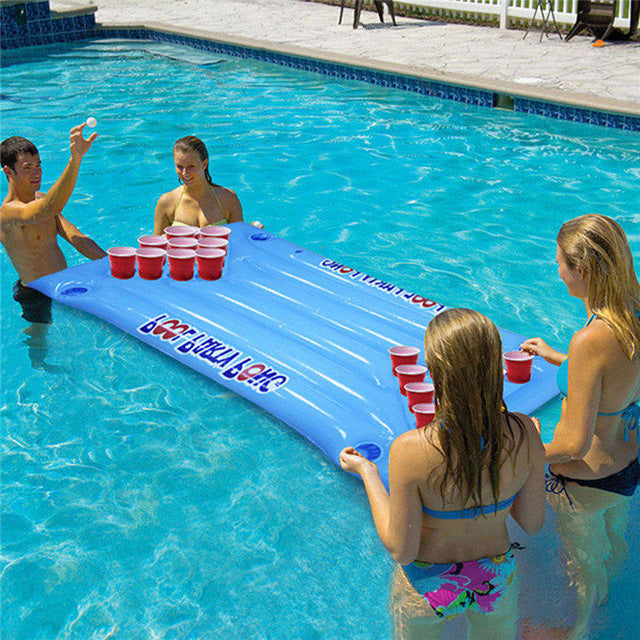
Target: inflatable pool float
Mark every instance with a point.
(303, 337)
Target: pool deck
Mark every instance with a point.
(574, 72)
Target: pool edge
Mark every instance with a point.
(468, 89)
(493, 85)
(552, 103)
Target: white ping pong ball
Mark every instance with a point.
(91, 121)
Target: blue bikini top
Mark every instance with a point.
(471, 512)
(630, 414)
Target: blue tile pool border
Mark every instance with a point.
(466, 95)
(40, 28)
(423, 86)
(29, 24)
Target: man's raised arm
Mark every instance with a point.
(58, 195)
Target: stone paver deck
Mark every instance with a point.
(437, 49)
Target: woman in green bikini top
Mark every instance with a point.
(198, 201)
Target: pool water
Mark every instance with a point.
(141, 501)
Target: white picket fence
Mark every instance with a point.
(565, 10)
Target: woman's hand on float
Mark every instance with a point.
(353, 461)
(538, 347)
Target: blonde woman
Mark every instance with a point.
(452, 486)
(593, 455)
(198, 201)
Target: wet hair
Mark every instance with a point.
(11, 148)
(597, 246)
(189, 144)
(463, 352)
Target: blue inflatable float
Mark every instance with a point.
(301, 336)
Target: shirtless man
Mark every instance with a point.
(30, 222)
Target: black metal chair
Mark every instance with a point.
(544, 5)
(358, 8)
(594, 16)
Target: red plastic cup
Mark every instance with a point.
(410, 373)
(122, 261)
(210, 263)
(213, 242)
(150, 261)
(213, 231)
(424, 413)
(181, 231)
(419, 393)
(157, 242)
(183, 242)
(403, 355)
(181, 263)
(518, 365)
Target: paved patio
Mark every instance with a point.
(447, 51)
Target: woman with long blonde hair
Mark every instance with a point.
(593, 455)
(452, 486)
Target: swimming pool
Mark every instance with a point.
(141, 501)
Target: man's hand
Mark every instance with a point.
(77, 143)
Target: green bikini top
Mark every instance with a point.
(630, 414)
(184, 224)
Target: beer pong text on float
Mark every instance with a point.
(518, 365)
(123, 262)
(403, 355)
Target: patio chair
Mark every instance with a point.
(594, 16)
(358, 8)
(620, 35)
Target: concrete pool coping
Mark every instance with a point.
(492, 85)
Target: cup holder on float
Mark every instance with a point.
(369, 450)
(70, 289)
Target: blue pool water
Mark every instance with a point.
(140, 501)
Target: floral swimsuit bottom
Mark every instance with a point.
(454, 589)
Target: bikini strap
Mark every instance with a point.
(178, 203)
(556, 484)
(213, 189)
(470, 513)
(630, 414)
(631, 417)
